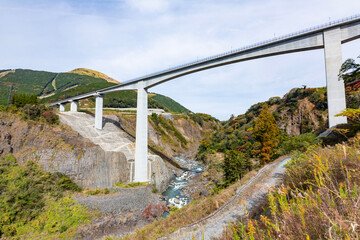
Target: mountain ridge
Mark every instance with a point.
(52, 86)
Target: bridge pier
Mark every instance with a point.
(335, 88)
(99, 112)
(141, 144)
(62, 107)
(74, 106)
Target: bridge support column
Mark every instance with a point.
(99, 112)
(335, 88)
(62, 107)
(141, 144)
(74, 106)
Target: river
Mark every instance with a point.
(174, 193)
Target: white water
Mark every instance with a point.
(174, 191)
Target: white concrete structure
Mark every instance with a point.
(74, 105)
(62, 107)
(141, 146)
(99, 111)
(329, 36)
(335, 87)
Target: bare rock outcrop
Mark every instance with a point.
(91, 159)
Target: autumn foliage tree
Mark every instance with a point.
(267, 135)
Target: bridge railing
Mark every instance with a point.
(272, 40)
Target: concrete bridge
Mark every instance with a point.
(328, 36)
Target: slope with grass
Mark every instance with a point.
(319, 199)
(50, 86)
(37, 205)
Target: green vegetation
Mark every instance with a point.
(350, 71)
(130, 185)
(298, 143)
(201, 117)
(238, 132)
(165, 126)
(27, 106)
(128, 99)
(319, 199)
(54, 86)
(170, 104)
(235, 165)
(20, 100)
(33, 202)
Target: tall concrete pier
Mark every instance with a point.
(335, 86)
(141, 146)
(98, 111)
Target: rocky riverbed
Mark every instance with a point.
(119, 212)
(181, 190)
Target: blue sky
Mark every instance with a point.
(129, 38)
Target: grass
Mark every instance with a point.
(130, 185)
(169, 103)
(319, 199)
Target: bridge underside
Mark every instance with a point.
(329, 37)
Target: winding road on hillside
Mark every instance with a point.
(248, 198)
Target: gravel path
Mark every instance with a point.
(124, 201)
(120, 212)
(247, 198)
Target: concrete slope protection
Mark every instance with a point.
(248, 198)
(112, 140)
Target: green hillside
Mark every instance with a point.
(49, 87)
(169, 103)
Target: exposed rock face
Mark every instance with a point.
(95, 168)
(94, 160)
(304, 119)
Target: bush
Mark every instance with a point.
(297, 143)
(66, 183)
(20, 100)
(153, 211)
(33, 112)
(50, 116)
(24, 191)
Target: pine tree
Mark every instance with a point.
(234, 165)
(267, 134)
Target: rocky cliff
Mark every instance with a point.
(100, 158)
(64, 150)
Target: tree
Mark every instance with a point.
(234, 165)
(350, 71)
(20, 100)
(267, 134)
